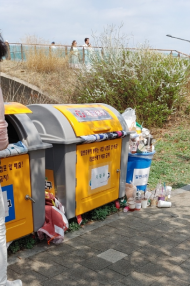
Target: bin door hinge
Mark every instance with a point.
(76, 158)
(75, 205)
(75, 182)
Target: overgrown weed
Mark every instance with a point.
(153, 83)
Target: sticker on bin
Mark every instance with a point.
(8, 198)
(99, 177)
(49, 181)
(140, 176)
(90, 114)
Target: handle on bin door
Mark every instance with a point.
(101, 129)
(27, 197)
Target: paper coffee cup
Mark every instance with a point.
(144, 204)
(164, 204)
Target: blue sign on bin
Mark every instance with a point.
(8, 197)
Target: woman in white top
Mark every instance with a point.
(3, 145)
(74, 56)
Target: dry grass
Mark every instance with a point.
(45, 67)
(46, 59)
(52, 83)
(21, 98)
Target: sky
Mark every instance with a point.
(64, 21)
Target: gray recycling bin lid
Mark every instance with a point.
(65, 123)
(17, 115)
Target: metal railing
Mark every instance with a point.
(17, 51)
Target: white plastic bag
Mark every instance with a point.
(130, 118)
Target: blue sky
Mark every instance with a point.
(63, 21)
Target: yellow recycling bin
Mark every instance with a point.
(22, 176)
(83, 172)
(97, 161)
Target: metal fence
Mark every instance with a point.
(18, 51)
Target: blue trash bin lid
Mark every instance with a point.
(142, 154)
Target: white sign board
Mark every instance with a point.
(140, 176)
(99, 177)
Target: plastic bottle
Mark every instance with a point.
(134, 140)
(138, 201)
(168, 191)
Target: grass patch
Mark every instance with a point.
(102, 212)
(171, 163)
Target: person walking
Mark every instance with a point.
(3, 145)
(74, 57)
(53, 45)
(87, 43)
(87, 50)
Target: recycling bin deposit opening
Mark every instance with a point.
(22, 175)
(84, 176)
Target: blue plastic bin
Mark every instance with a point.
(138, 169)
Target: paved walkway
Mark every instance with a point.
(149, 247)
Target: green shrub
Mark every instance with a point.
(151, 82)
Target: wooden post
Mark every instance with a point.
(102, 52)
(21, 52)
(178, 55)
(66, 51)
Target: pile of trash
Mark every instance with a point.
(141, 141)
(137, 199)
(55, 223)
